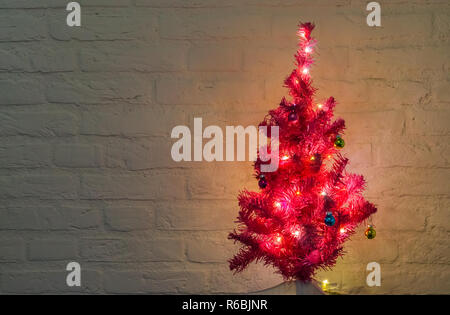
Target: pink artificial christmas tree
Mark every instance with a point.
(310, 206)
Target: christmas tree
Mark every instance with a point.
(310, 206)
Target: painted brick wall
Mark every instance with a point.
(86, 115)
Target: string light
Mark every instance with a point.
(305, 71)
(323, 193)
(301, 33)
(277, 204)
(308, 50)
(279, 239)
(325, 284)
(313, 158)
(285, 157)
(342, 230)
(319, 106)
(298, 193)
(296, 233)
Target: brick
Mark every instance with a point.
(371, 95)
(54, 59)
(212, 23)
(105, 24)
(331, 63)
(408, 27)
(39, 186)
(422, 151)
(294, 3)
(428, 123)
(51, 249)
(21, 92)
(267, 58)
(135, 122)
(12, 250)
(254, 279)
(124, 56)
(441, 26)
(191, 91)
(439, 218)
(105, 3)
(388, 124)
(35, 124)
(26, 155)
(161, 281)
(33, 57)
(49, 282)
(77, 155)
(396, 63)
(40, 218)
(379, 249)
(410, 181)
(132, 250)
(403, 213)
(23, 4)
(32, 26)
(208, 249)
(403, 281)
(129, 219)
(440, 91)
(422, 250)
(124, 282)
(18, 219)
(183, 3)
(360, 154)
(139, 187)
(197, 216)
(99, 89)
(213, 57)
(141, 154)
(223, 182)
(48, 218)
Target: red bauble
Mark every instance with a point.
(292, 116)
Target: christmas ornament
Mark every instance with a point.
(329, 219)
(316, 162)
(370, 232)
(339, 142)
(292, 116)
(283, 225)
(262, 183)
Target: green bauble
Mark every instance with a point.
(370, 232)
(339, 142)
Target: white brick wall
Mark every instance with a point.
(86, 115)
